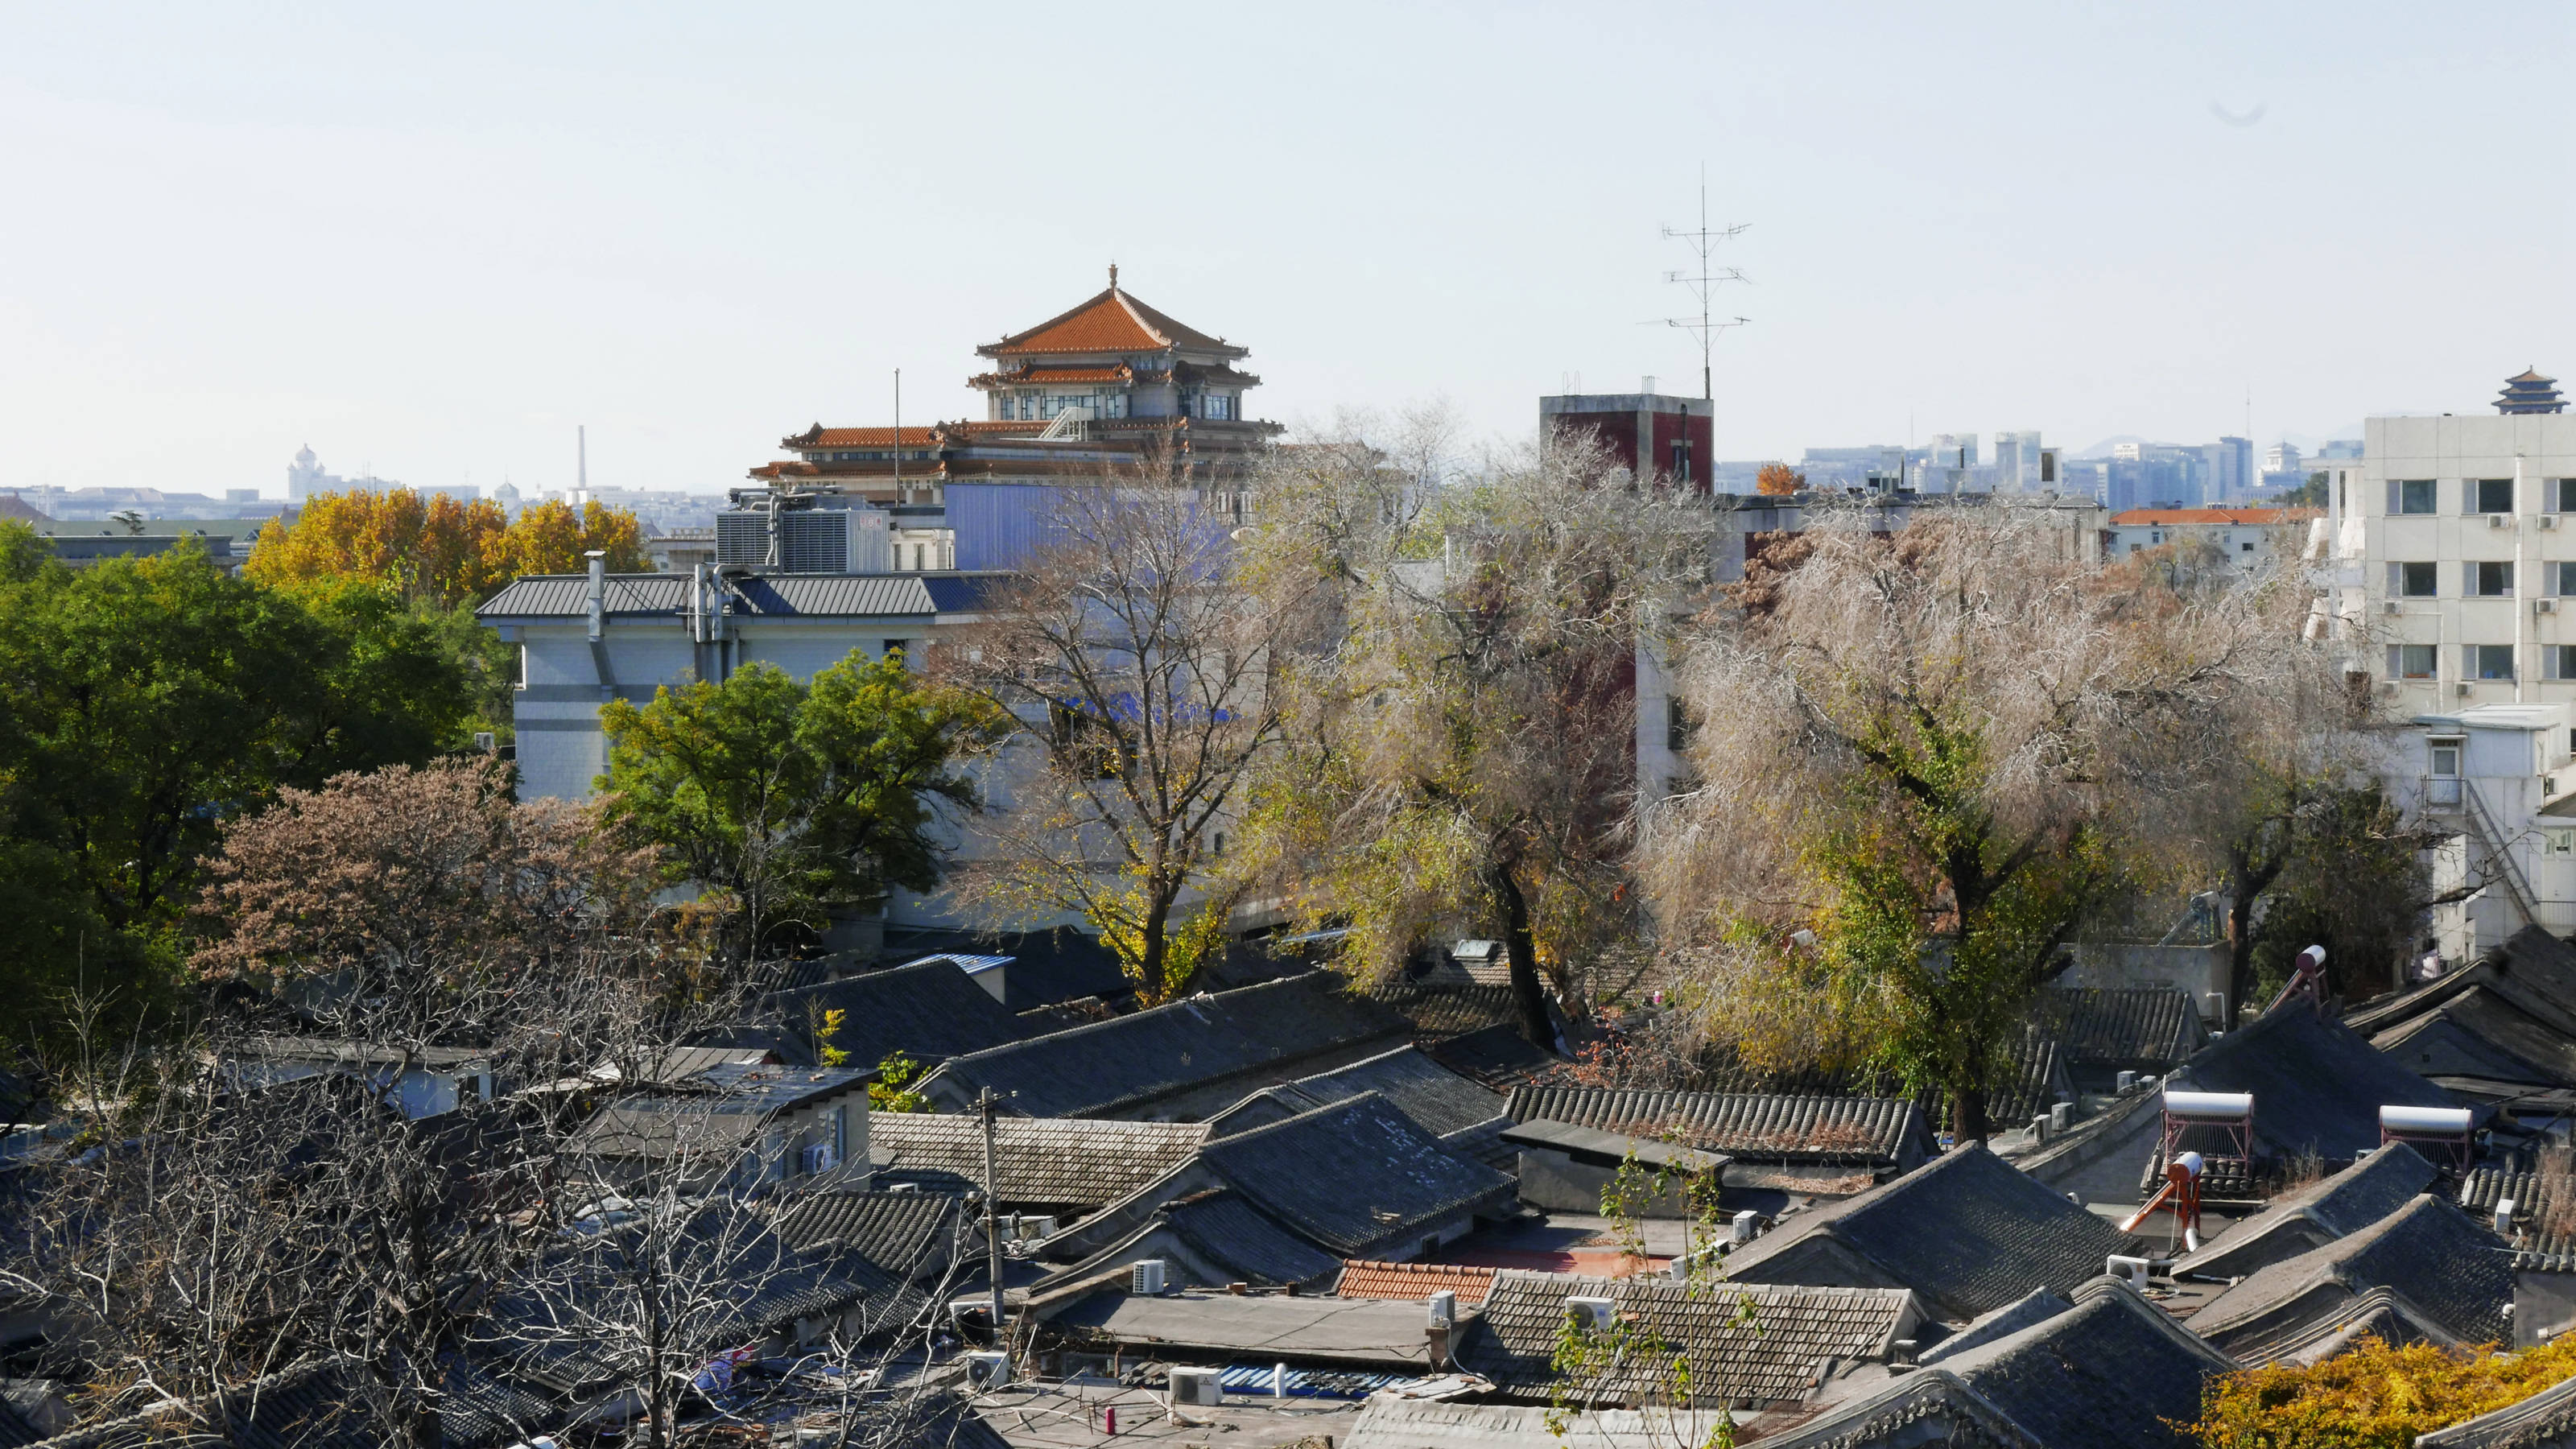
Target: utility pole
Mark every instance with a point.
(1703, 283)
(898, 483)
(984, 1106)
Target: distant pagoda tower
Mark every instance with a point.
(2530, 393)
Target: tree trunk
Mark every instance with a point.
(1522, 951)
(1154, 938)
(1968, 1115)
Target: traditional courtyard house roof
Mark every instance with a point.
(1435, 1097)
(2336, 1207)
(909, 1234)
(1906, 1411)
(1111, 322)
(2443, 1270)
(1182, 1060)
(1389, 1422)
(1366, 1278)
(1355, 1332)
(2317, 1084)
(1045, 968)
(1357, 1179)
(1044, 1162)
(930, 1011)
(1496, 1057)
(2505, 1024)
(315, 1406)
(548, 598)
(2112, 1372)
(1883, 1132)
(2103, 1031)
(1747, 1345)
(1216, 1237)
(1967, 1231)
(2537, 1247)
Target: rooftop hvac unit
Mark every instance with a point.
(1592, 1315)
(817, 1158)
(1150, 1277)
(810, 540)
(988, 1370)
(1036, 1229)
(1444, 1308)
(1199, 1387)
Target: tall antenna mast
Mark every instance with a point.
(898, 435)
(581, 460)
(1703, 282)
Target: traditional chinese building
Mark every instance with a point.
(2530, 393)
(1105, 387)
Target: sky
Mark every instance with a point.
(431, 240)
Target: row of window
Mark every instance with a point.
(2477, 661)
(2477, 495)
(2478, 580)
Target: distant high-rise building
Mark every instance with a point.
(2281, 457)
(304, 478)
(2017, 462)
(1954, 450)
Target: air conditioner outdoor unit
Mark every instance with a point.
(2544, 606)
(2499, 520)
(1149, 1277)
(2461, 688)
(2549, 520)
(2388, 687)
(1443, 1307)
(1036, 1229)
(1198, 1387)
(817, 1158)
(2388, 606)
(988, 1370)
(1592, 1315)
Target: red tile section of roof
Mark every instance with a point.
(2242, 517)
(1109, 322)
(819, 436)
(1362, 1278)
(1032, 376)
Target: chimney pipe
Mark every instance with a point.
(598, 593)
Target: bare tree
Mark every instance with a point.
(1929, 760)
(1462, 738)
(1139, 674)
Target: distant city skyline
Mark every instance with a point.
(431, 244)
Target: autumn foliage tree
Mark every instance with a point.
(1778, 480)
(438, 549)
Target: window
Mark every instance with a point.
(2494, 495)
(2446, 757)
(2558, 661)
(2245, 547)
(2417, 580)
(2488, 661)
(2494, 580)
(1217, 406)
(2561, 493)
(1681, 469)
(2412, 495)
(2558, 842)
(2564, 576)
(893, 648)
(2411, 661)
(1677, 727)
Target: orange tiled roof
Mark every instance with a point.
(2242, 517)
(1362, 1278)
(819, 436)
(1029, 376)
(1109, 322)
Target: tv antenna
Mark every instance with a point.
(1703, 282)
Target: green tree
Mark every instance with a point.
(145, 701)
(786, 801)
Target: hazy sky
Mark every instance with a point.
(432, 239)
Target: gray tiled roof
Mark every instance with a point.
(1128, 1063)
(1747, 1344)
(1225, 1229)
(1354, 1177)
(2113, 1372)
(2428, 1252)
(2534, 1199)
(1052, 1161)
(1966, 1230)
(1743, 1125)
(2482, 1032)
(901, 1232)
(930, 1011)
(2533, 970)
(2318, 1085)
(1435, 1097)
(1926, 1408)
(2144, 1028)
(2342, 1204)
(567, 596)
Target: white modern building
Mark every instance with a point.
(2234, 537)
(2502, 777)
(2458, 585)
